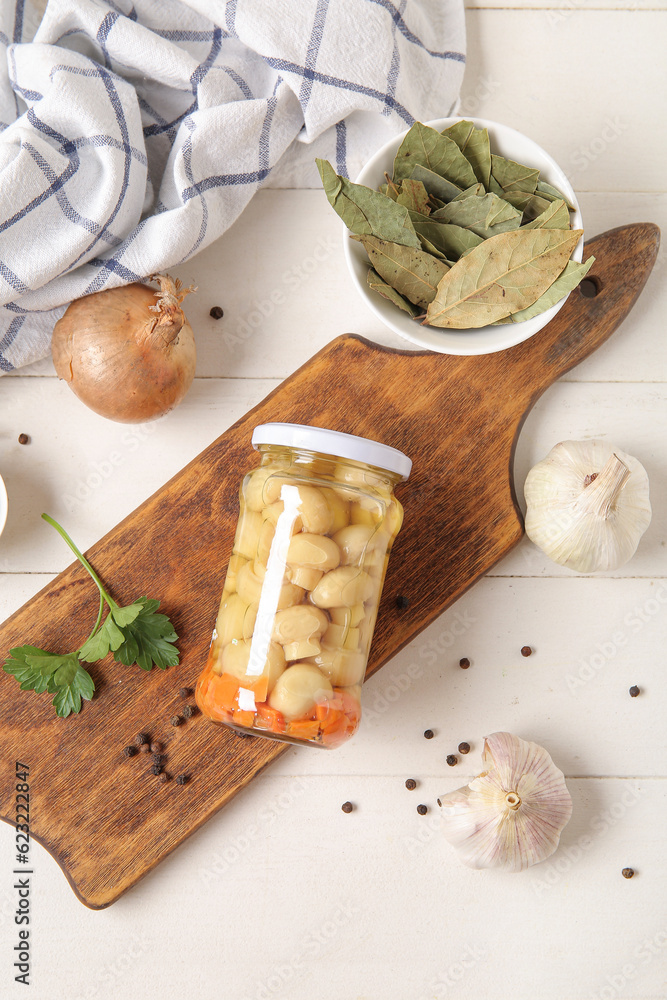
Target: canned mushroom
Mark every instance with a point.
(317, 521)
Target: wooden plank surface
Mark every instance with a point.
(117, 824)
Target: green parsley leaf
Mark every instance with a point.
(135, 634)
(123, 616)
(148, 639)
(110, 636)
(60, 674)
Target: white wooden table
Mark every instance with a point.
(283, 895)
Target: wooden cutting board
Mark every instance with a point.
(105, 819)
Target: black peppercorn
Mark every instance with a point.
(189, 711)
(163, 777)
(422, 810)
(175, 720)
(156, 769)
(141, 738)
(216, 312)
(452, 759)
(428, 734)
(130, 751)
(526, 651)
(185, 692)
(402, 602)
(634, 691)
(156, 747)
(24, 439)
(347, 807)
(410, 784)
(144, 748)
(157, 758)
(464, 748)
(628, 872)
(464, 662)
(182, 779)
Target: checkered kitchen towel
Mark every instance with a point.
(134, 132)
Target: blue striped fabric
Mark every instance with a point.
(132, 134)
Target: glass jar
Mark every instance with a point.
(317, 521)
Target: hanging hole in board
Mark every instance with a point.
(590, 286)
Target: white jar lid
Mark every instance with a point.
(334, 443)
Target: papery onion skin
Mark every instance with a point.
(129, 352)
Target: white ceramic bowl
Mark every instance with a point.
(487, 339)
(3, 504)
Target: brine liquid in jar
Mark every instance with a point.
(290, 646)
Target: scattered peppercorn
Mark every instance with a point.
(182, 779)
(144, 748)
(130, 751)
(175, 720)
(464, 748)
(452, 759)
(634, 691)
(422, 810)
(189, 711)
(526, 651)
(464, 662)
(157, 758)
(428, 734)
(402, 602)
(156, 769)
(628, 872)
(410, 784)
(163, 777)
(185, 692)
(141, 738)
(347, 807)
(24, 439)
(156, 747)
(216, 312)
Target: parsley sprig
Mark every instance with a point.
(134, 634)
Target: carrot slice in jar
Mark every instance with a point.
(243, 718)
(270, 718)
(304, 730)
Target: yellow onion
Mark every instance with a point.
(126, 356)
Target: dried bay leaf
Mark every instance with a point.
(366, 212)
(519, 199)
(513, 177)
(424, 146)
(555, 216)
(436, 185)
(432, 249)
(414, 196)
(536, 206)
(412, 273)
(486, 216)
(374, 281)
(551, 193)
(501, 276)
(451, 241)
(566, 281)
(475, 191)
(474, 144)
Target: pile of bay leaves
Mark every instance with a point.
(460, 237)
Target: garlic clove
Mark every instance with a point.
(511, 816)
(587, 505)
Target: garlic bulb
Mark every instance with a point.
(587, 505)
(510, 816)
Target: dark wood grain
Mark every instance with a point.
(104, 818)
